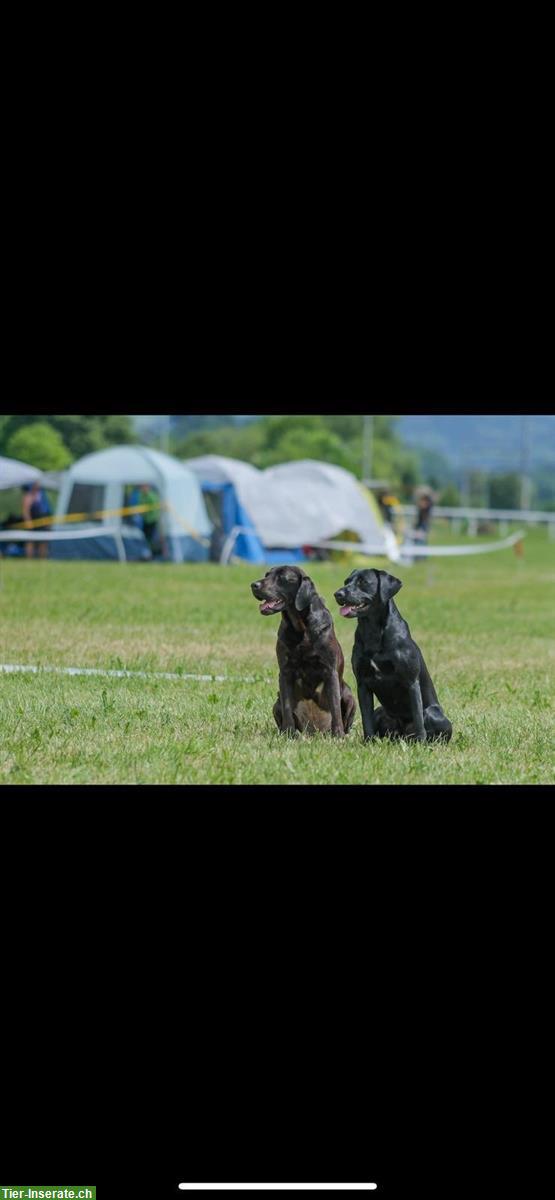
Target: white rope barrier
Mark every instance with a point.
(36, 535)
(413, 550)
(372, 548)
(408, 549)
(17, 668)
(380, 550)
(39, 535)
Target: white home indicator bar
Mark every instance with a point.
(278, 1187)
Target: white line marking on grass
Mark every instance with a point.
(13, 668)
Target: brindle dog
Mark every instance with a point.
(312, 694)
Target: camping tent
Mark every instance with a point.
(317, 502)
(228, 487)
(234, 494)
(15, 474)
(98, 482)
(284, 508)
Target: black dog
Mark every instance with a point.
(312, 694)
(388, 664)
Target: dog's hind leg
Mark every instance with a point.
(417, 710)
(348, 707)
(278, 715)
(387, 726)
(437, 725)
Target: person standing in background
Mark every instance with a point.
(389, 508)
(424, 498)
(424, 506)
(151, 519)
(135, 499)
(35, 505)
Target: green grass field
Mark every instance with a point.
(485, 625)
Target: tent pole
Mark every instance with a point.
(367, 431)
(229, 544)
(120, 545)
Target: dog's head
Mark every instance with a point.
(364, 590)
(282, 587)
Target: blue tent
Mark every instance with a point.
(232, 491)
(232, 514)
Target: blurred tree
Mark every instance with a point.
(288, 438)
(40, 445)
(230, 441)
(409, 477)
(435, 469)
(81, 433)
(504, 490)
(478, 496)
(450, 497)
(544, 488)
(329, 438)
(350, 426)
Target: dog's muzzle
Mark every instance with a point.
(348, 609)
(268, 605)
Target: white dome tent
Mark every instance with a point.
(16, 474)
(315, 502)
(277, 511)
(97, 483)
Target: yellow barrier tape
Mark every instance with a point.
(38, 522)
(103, 512)
(170, 508)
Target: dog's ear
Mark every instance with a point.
(304, 594)
(389, 585)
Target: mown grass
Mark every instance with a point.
(485, 625)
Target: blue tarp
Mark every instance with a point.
(248, 544)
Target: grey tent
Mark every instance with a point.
(98, 483)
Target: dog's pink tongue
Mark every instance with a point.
(346, 610)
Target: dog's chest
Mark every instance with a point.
(304, 664)
(374, 666)
(303, 683)
(306, 672)
(382, 666)
(311, 717)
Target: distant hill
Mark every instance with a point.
(448, 447)
(150, 427)
(491, 443)
(495, 442)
